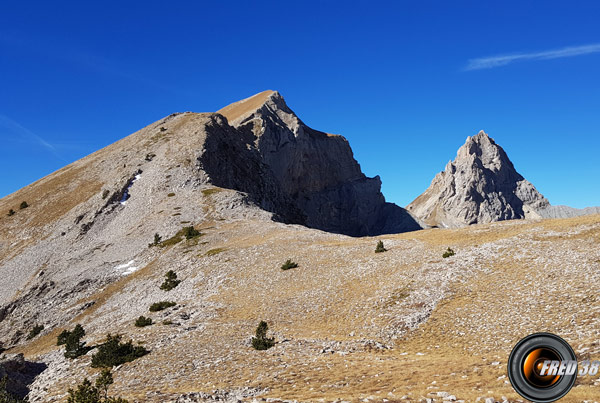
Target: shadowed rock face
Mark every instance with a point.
(316, 170)
(481, 185)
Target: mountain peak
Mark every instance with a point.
(481, 149)
(241, 109)
(481, 185)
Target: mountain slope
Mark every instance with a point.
(481, 185)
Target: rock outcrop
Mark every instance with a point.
(316, 170)
(481, 185)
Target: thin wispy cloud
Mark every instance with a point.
(15, 128)
(503, 60)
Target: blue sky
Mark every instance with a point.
(405, 82)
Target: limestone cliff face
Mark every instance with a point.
(316, 170)
(481, 185)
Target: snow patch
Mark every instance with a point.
(126, 268)
(126, 192)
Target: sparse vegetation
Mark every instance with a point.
(171, 194)
(11, 212)
(190, 232)
(261, 341)
(156, 242)
(23, 205)
(167, 322)
(215, 251)
(113, 352)
(105, 193)
(178, 237)
(208, 192)
(86, 393)
(159, 306)
(449, 252)
(380, 248)
(37, 329)
(289, 265)
(143, 321)
(62, 337)
(170, 281)
(74, 347)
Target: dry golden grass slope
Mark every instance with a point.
(350, 324)
(238, 110)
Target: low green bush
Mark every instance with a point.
(159, 306)
(156, 242)
(74, 347)
(190, 232)
(143, 321)
(380, 248)
(449, 252)
(87, 393)
(289, 265)
(170, 281)
(261, 341)
(23, 205)
(37, 329)
(112, 352)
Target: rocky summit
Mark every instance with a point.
(316, 171)
(480, 186)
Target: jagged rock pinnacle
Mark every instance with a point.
(481, 185)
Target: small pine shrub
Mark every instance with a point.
(167, 322)
(11, 212)
(37, 329)
(170, 281)
(23, 205)
(105, 193)
(171, 194)
(449, 252)
(190, 232)
(113, 352)
(156, 242)
(143, 321)
(62, 337)
(74, 347)
(380, 248)
(86, 393)
(289, 265)
(261, 341)
(159, 306)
